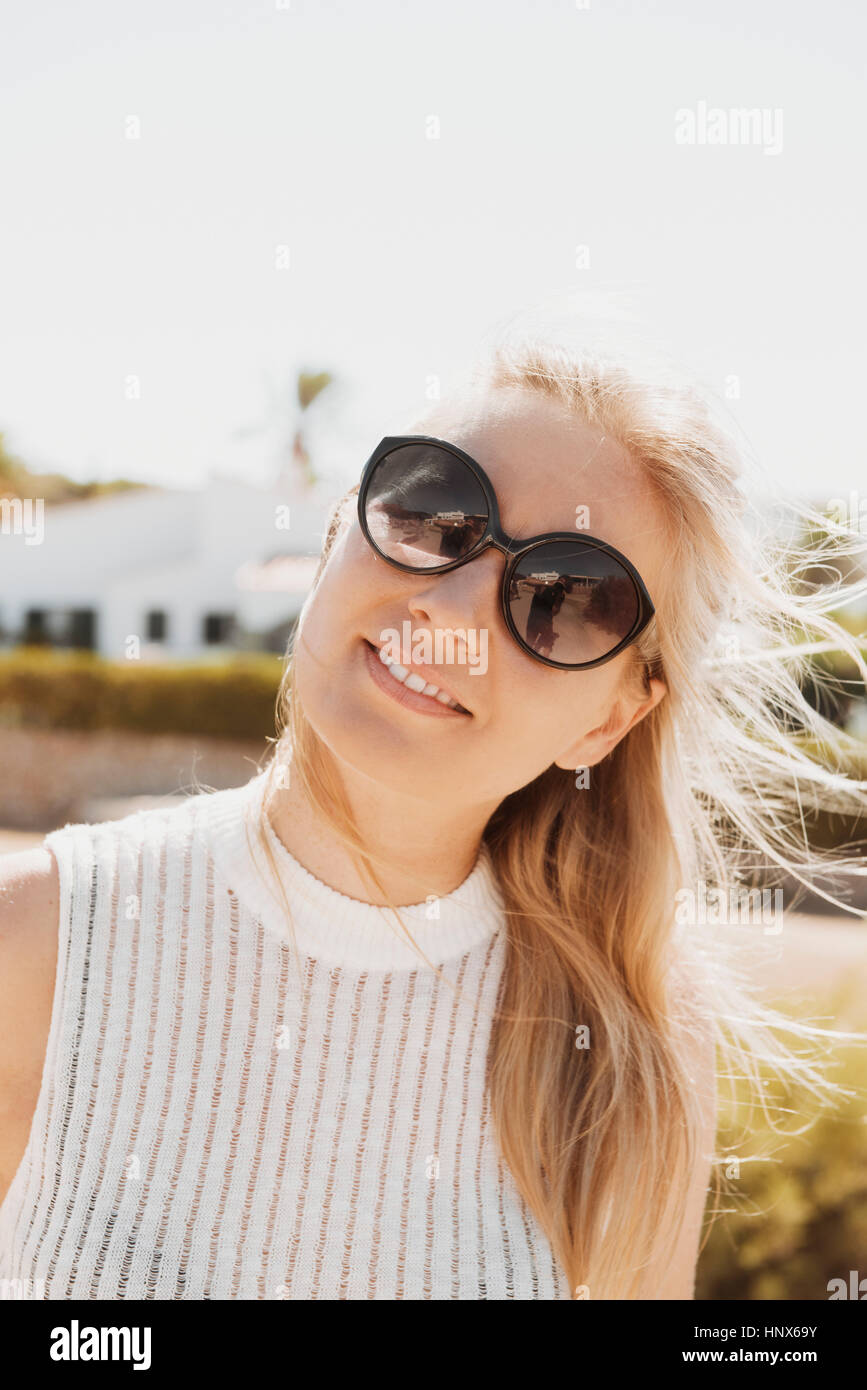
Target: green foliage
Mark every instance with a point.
(795, 1205)
(12, 473)
(836, 830)
(310, 384)
(41, 688)
(16, 480)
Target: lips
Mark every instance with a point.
(411, 687)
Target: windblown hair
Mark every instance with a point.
(713, 786)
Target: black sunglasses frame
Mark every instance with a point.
(513, 548)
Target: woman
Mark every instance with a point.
(417, 1013)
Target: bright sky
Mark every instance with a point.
(292, 123)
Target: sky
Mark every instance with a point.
(200, 199)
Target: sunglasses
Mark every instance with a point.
(568, 599)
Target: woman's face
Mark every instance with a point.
(522, 715)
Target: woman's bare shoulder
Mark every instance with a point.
(29, 896)
(29, 907)
(29, 904)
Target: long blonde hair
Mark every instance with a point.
(712, 784)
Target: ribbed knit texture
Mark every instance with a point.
(219, 1118)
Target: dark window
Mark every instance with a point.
(218, 627)
(60, 627)
(82, 628)
(35, 626)
(156, 625)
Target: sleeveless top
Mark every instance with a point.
(222, 1117)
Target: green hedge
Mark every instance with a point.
(795, 1212)
(45, 689)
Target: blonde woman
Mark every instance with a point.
(414, 1013)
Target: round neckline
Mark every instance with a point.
(329, 925)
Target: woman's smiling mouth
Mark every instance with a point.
(407, 688)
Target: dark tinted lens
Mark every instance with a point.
(572, 602)
(424, 507)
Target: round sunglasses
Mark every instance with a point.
(568, 599)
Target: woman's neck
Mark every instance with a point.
(424, 849)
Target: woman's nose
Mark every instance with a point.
(466, 596)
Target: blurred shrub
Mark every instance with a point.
(832, 684)
(17, 480)
(795, 1208)
(842, 831)
(45, 689)
(832, 829)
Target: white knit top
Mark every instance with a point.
(219, 1118)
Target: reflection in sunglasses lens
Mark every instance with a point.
(424, 507)
(572, 602)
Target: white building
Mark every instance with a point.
(186, 573)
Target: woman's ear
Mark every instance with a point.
(628, 711)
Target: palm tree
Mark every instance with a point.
(292, 454)
(309, 386)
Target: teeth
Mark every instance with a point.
(399, 672)
(415, 682)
